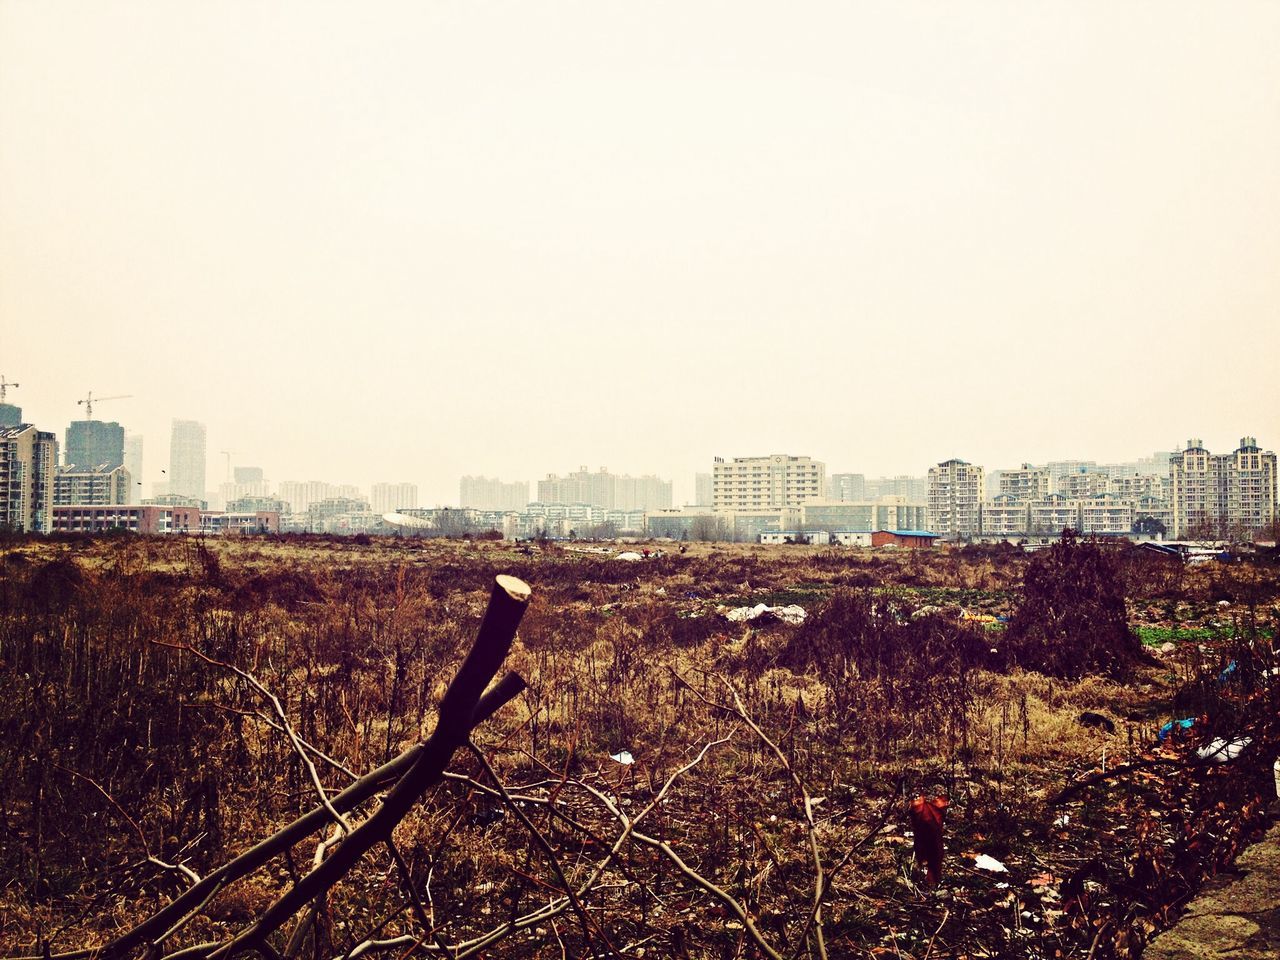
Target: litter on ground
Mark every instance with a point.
(789, 614)
(1222, 751)
(984, 862)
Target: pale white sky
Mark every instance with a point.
(413, 240)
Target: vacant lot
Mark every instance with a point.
(772, 762)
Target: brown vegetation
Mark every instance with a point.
(766, 809)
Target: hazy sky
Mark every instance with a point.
(414, 240)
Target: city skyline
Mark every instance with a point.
(684, 485)
(491, 241)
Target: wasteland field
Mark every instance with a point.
(668, 780)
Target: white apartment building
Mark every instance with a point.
(392, 497)
(1005, 515)
(1082, 484)
(1053, 514)
(1025, 483)
(75, 487)
(766, 483)
(1228, 494)
(1106, 513)
(955, 499)
(1136, 486)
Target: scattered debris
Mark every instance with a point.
(984, 862)
(623, 757)
(1223, 751)
(793, 613)
(628, 555)
(1175, 727)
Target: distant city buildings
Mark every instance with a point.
(490, 493)
(915, 489)
(10, 415)
(340, 515)
(133, 460)
(393, 497)
(94, 443)
(28, 461)
(604, 489)
(955, 491)
(847, 486)
(248, 482)
(187, 470)
(702, 490)
(301, 494)
(766, 483)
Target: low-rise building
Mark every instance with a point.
(914, 539)
(147, 520)
(885, 513)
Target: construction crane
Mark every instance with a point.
(4, 387)
(89, 402)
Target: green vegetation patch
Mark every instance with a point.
(1156, 636)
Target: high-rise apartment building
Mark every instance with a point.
(133, 463)
(94, 443)
(1226, 495)
(74, 487)
(955, 499)
(10, 415)
(490, 493)
(604, 489)
(702, 489)
(393, 497)
(847, 486)
(187, 472)
(1024, 484)
(28, 460)
(766, 483)
(1083, 483)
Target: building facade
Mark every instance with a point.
(955, 499)
(490, 493)
(94, 443)
(1231, 494)
(73, 486)
(604, 489)
(847, 486)
(187, 447)
(1025, 483)
(393, 497)
(28, 461)
(766, 483)
(887, 513)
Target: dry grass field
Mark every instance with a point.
(167, 703)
